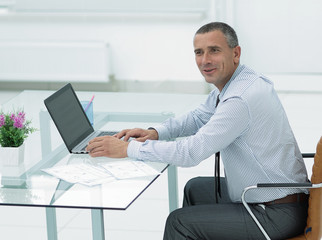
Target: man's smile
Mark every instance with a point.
(209, 70)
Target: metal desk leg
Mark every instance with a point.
(98, 224)
(51, 223)
(173, 187)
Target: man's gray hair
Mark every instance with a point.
(227, 30)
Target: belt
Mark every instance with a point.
(298, 197)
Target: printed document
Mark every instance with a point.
(129, 169)
(82, 173)
(90, 175)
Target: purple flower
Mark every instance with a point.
(22, 115)
(18, 122)
(2, 120)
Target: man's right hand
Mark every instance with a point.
(139, 134)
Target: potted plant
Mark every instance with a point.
(14, 129)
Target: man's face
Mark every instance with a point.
(215, 59)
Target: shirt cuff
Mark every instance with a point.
(162, 132)
(133, 149)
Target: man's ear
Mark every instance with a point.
(237, 53)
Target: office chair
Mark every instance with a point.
(313, 230)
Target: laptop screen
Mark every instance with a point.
(68, 116)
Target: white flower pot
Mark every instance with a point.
(12, 156)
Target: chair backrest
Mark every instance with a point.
(313, 230)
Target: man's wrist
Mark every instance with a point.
(133, 149)
(125, 149)
(156, 135)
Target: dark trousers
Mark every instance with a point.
(201, 218)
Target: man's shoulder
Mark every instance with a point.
(248, 75)
(244, 81)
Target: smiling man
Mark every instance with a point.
(216, 60)
(244, 120)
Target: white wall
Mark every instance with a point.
(278, 37)
(145, 45)
(140, 50)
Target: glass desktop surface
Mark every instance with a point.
(28, 185)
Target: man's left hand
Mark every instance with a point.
(107, 146)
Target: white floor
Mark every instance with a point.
(145, 219)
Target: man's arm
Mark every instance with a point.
(228, 123)
(190, 123)
(185, 125)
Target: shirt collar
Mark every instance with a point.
(235, 74)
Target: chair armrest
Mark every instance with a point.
(308, 155)
(284, 185)
(273, 185)
(277, 185)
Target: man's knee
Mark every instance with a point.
(171, 227)
(178, 227)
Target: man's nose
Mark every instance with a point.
(206, 58)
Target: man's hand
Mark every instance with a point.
(107, 146)
(141, 135)
(114, 147)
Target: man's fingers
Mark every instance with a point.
(97, 139)
(127, 137)
(126, 134)
(97, 152)
(121, 134)
(94, 143)
(107, 146)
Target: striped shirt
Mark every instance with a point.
(250, 129)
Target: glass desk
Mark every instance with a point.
(27, 185)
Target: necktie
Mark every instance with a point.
(217, 169)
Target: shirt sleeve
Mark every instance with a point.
(229, 121)
(189, 123)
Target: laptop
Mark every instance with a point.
(71, 120)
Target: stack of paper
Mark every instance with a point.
(82, 173)
(129, 169)
(90, 175)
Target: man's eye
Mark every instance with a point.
(214, 50)
(198, 53)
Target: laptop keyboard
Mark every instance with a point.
(106, 133)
